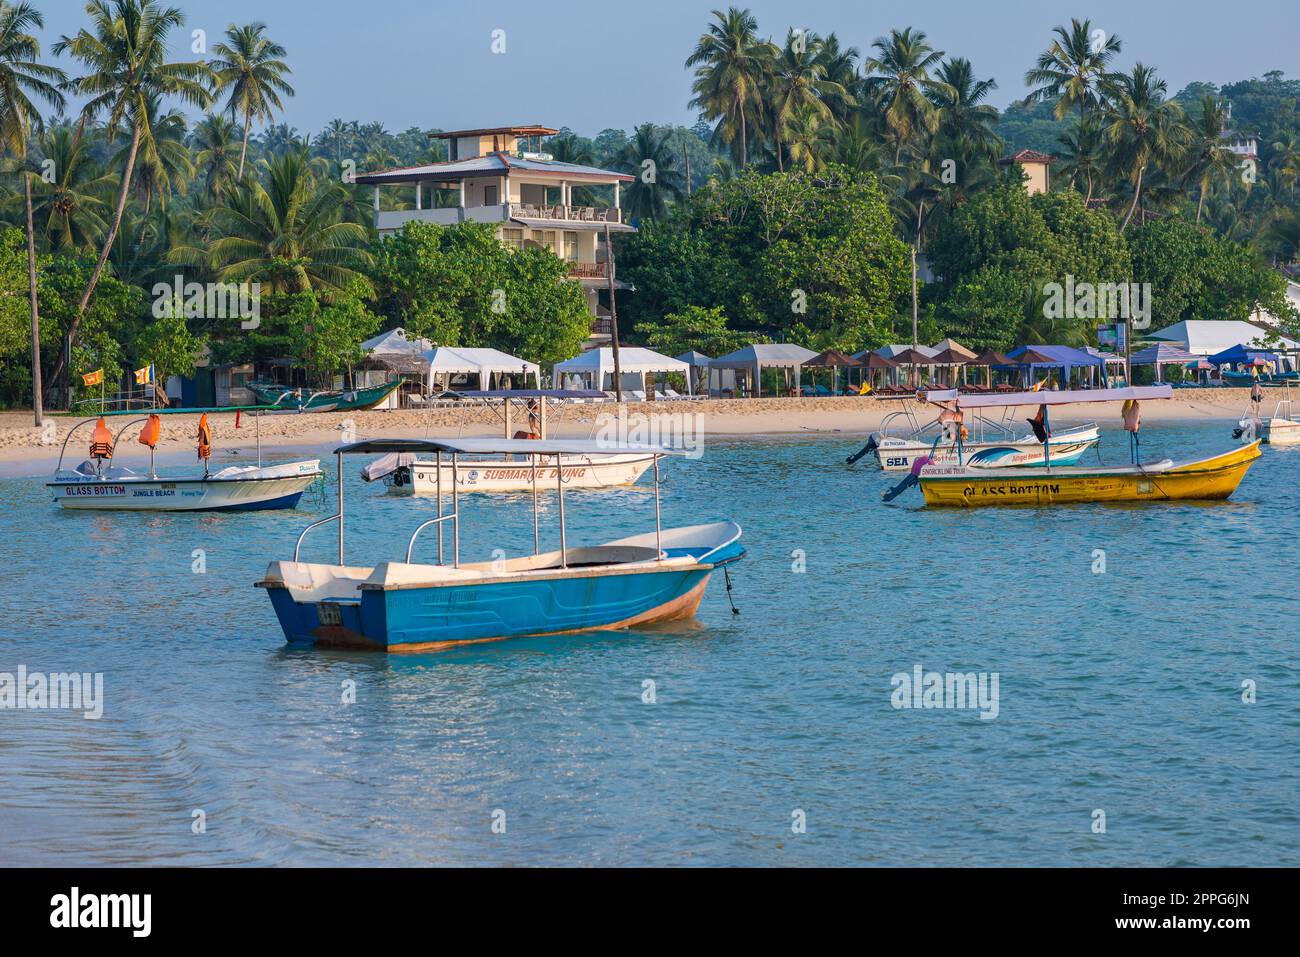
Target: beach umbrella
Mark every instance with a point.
(833, 359)
(951, 357)
(990, 358)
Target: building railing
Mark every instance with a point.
(588, 270)
(573, 214)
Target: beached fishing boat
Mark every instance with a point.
(961, 484)
(301, 400)
(99, 484)
(403, 605)
(528, 409)
(994, 444)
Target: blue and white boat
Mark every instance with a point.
(403, 605)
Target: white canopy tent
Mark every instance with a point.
(594, 365)
(446, 362)
(395, 342)
(1208, 337)
(766, 355)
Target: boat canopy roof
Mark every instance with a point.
(498, 446)
(1067, 397)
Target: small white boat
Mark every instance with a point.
(995, 444)
(99, 484)
(1281, 428)
(406, 474)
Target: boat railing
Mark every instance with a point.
(323, 521)
(452, 517)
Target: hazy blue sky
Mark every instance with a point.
(592, 64)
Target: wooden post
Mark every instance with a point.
(613, 309)
(914, 308)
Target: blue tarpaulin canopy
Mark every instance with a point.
(1241, 354)
(1064, 358)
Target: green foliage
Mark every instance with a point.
(170, 345)
(788, 256)
(1196, 275)
(695, 328)
(328, 336)
(460, 286)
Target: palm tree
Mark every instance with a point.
(959, 97)
(1075, 69)
(165, 164)
(730, 63)
(338, 135)
(281, 138)
(287, 234)
(72, 207)
(797, 85)
(124, 53)
(251, 68)
(216, 140)
(840, 67)
(1080, 156)
(1142, 128)
(21, 77)
(1209, 159)
(649, 152)
(1286, 158)
(807, 136)
(899, 77)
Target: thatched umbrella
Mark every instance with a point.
(990, 358)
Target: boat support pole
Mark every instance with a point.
(559, 472)
(339, 456)
(658, 529)
(1047, 442)
(537, 549)
(438, 460)
(455, 511)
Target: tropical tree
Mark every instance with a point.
(899, 77)
(70, 204)
(797, 86)
(164, 164)
(250, 71)
(287, 234)
(125, 56)
(650, 158)
(1075, 70)
(730, 62)
(1080, 155)
(23, 76)
(963, 115)
(1142, 128)
(216, 141)
(1208, 157)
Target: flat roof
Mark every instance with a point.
(533, 130)
(491, 164)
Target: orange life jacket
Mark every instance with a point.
(150, 433)
(205, 438)
(101, 443)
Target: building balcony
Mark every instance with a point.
(395, 219)
(567, 214)
(588, 270)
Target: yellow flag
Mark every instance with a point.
(93, 378)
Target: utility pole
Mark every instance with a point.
(613, 316)
(914, 308)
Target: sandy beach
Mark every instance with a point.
(26, 450)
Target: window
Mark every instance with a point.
(489, 195)
(514, 238)
(571, 246)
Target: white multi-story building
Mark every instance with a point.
(501, 176)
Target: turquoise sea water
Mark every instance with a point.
(1119, 692)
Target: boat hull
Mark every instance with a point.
(1280, 431)
(898, 455)
(1211, 479)
(185, 495)
(397, 606)
(434, 618)
(357, 400)
(580, 472)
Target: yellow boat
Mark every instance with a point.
(1202, 480)
(969, 482)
